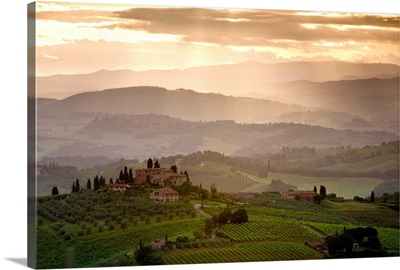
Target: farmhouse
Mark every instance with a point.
(159, 176)
(164, 195)
(304, 195)
(119, 187)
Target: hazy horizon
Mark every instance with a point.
(79, 38)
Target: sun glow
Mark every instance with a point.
(309, 26)
(66, 30)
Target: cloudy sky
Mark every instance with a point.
(82, 38)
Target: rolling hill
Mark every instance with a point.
(185, 104)
(141, 136)
(230, 79)
(362, 104)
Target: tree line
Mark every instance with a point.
(343, 245)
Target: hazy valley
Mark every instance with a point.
(235, 79)
(243, 110)
(90, 131)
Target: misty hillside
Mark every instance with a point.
(359, 104)
(185, 104)
(213, 78)
(141, 136)
(368, 98)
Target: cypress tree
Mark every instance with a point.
(126, 175)
(77, 186)
(156, 164)
(149, 163)
(54, 191)
(102, 181)
(130, 175)
(121, 176)
(322, 191)
(89, 184)
(372, 196)
(96, 184)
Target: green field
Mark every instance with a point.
(226, 180)
(344, 187)
(381, 163)
(244, 252)
(103, 228)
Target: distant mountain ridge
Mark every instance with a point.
(203, 78)
(369, 98)
(181, 103)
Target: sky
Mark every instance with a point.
(73, 38)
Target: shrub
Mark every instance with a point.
(67, 237)
(123, 224)
(101, 228)
(80, 233)
(83, 226)
(107, 221)
(239, 216)
(119, 220)
(158, 219)
(111, 226)
(171, 216)
(147, 220)
(88, 230)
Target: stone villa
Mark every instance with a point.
(159, 176)
(164, 195)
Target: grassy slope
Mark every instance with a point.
(344, 187)
(276, 227)
(220, 175)
(382, 163)
(274, 233)
(364, 213)
(90, 248)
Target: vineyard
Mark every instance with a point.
(105, 244)
(244, 252)
(105, 228)
(271, 229)
(100, 224)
